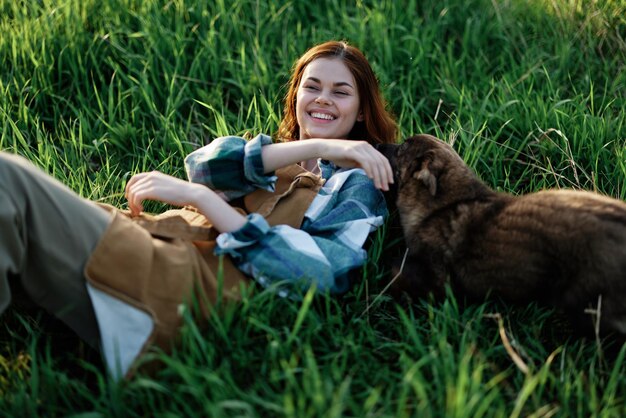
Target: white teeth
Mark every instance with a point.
(322, 116)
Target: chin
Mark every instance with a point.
(326, 134)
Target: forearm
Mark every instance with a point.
(282, 154)
(222, 216)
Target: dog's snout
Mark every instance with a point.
(388, 150)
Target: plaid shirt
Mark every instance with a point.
(330, 241)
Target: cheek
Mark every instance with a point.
(352, 109)
(303, 98)
(300, 107)
(299, 101)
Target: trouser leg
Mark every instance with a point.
(47, 233)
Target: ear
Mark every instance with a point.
(360, 117)
(428, 173)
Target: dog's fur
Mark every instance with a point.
(560, 248)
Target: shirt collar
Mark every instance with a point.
(327, 168)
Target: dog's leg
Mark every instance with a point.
(417, 280)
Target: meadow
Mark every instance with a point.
(532, 94)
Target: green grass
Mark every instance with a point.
(531, 93)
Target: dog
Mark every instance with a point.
(561, 248)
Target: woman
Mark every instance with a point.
(53, 240)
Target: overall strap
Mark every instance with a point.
(294, 191)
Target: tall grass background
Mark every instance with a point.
(532, 94)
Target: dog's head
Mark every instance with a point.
(429, 175)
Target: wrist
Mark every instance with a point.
(199, 194)
(314, 148)
(321, 148)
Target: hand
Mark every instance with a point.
(351, 153)
(155, 185)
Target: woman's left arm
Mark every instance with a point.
(272, 255)
(155, 185)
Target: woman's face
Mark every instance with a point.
(327, 104)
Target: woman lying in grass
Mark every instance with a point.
(120, 286)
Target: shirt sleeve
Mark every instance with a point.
(328, 246)
(231, 166)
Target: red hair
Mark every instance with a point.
(378, 126)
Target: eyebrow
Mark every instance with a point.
(337, 84)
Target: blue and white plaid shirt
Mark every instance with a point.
(330, 241)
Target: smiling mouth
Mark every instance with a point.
(324, 116)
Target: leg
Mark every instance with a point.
(47, 233)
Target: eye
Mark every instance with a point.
(342, 93)
(311, 88)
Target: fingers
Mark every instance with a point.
(158, 186)
(130, 193)
(388, 173)
(377, 167)
(384, 172)
(139, 189)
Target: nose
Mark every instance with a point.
(323, 98)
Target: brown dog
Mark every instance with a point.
(565, 249)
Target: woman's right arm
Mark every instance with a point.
(236, 167)
(345, 153)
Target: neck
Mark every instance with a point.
(310, 165)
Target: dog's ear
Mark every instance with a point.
(428, 172)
